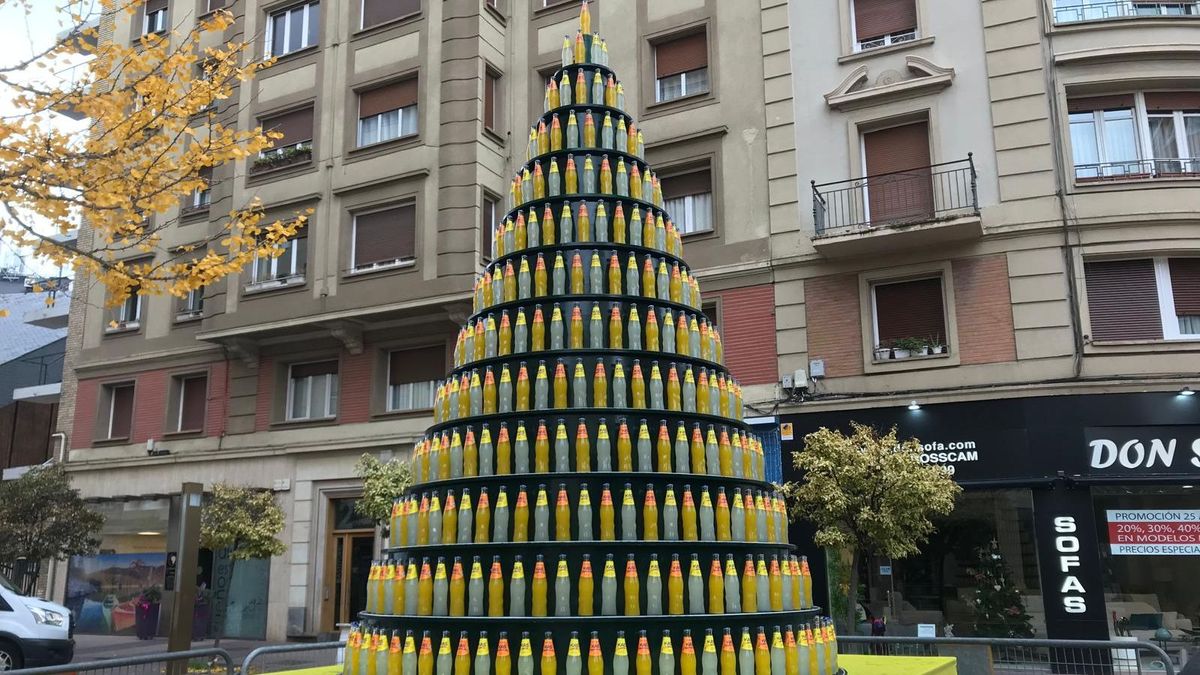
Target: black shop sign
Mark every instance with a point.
(1142, 451)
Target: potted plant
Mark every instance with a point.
(883, 353)
(906, 347)
(936, 346)
(146, 616)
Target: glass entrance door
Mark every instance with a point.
(350, 547)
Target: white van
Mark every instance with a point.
(33, 632)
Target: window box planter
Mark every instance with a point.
(277, 160)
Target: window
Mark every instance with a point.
(688, 199)
(413, 375)
(293, 29)
(491, 82)
(190, 306)
(283, 270)
(191, 399)
(1145, 299)
(384, 238)
(878, 23)
(312, 391)
(681, 67)
(899, 181)
(296, 145)
(214, 5)
(116, 421)
(489, 221)
(154, 20)
(376, 12)
(1073, 11)
(712, 311)
(387, 112)
(128, 314)
(909, 318)
(201, 197)
(1139, 135)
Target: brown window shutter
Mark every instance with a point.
(384, 236)
(313, 369)
(122, 411)
(876, 18)
(902, 187)
(682, 185)
(215, 4)
(910, 309)
(1093, 103)
(1185, 285)
(1123, 300)
(155, 5)
(681, 55)
(376, 12)
(489, 101)
(1169, 101)
(296, 127)
(194, 391)
(417, 365)
(388, 97)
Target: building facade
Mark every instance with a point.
(403, 122)
(995, 249)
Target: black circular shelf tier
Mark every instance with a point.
(588, 491)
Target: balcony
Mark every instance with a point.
(904, 209)
(1066, 12)
(1137, 170)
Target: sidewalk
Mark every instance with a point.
(98, 647)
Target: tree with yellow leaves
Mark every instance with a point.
(160, 116)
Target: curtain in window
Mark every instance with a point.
(1162, 137)
(1120, 137)
(1084, 148)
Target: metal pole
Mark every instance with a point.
(188, 549)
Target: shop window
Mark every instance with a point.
(276, 271)
(296, 145)
(154, 20)
(376, 12)
(688, 198)
(909, 318)
(489, 220)
(189, 394)
(413, 375)
(899, 181)
(292, 29)
(312, 391)
(384, 238)
(878, 23)
(1144, 299)
(388, 112)
(116, 411)
(1135, 136)
(681, 67)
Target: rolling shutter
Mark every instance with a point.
(313, 369)
(1185, 285)
(155, 5)
(388, 97)
(1169, 101)
(898, 160)
(910, 309)
(695, 183)
(122, 411)
(1123, 300)
(385, 236)
(681, 55)
(417, 365)
(194, 392)
(296, 127)
(876, 18)
(376, 12)
(1093, 103)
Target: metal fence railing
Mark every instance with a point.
(1138, 169)
(1003, 656)
(1093, 10)
(278, 658)
(210, 661)
(911, 196)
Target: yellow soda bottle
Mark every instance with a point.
(539, 587)
(641, 661)
(458, 589)
(608, 530)
(633, 592)
(650, 515)
(716, 587)
(462, 655)
(749, 586)
(503, 655)
(549, 659)
(586, 588)
(425, 590)
(687, 514)
(687, 655)
(562, 515)
(762, 655)
(521, 516)
(675, 587)
(728, 658)
(425, 657)
(595, 660)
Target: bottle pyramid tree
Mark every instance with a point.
(589, 493)
(998, 608)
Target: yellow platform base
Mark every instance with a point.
(897, 665)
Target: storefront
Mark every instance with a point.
(1090, 503)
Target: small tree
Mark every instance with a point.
(383, 483)
(998, 608)
(245, 520)
(42, 517)
(870, 493)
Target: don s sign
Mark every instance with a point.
(1143, 450)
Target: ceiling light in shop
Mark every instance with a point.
(149, 534)
(1187, 391)
(914, 406)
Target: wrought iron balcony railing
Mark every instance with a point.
(1123, 9)
(913, 196)
(1137, 169)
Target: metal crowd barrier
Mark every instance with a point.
(278, 658)
(192, 662)
(1005, 656)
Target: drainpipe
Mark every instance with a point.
(59, 451)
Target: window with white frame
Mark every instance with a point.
(312, 391)
(384, 238)
(681, 67)
(688, 199)
(292, 29)
(190, 400)
(1138, 135)
(201, 197)
(387, 112)
(879, 23)
(1144, 299)
(128, 314)
(295, 146)
(413, 376)
(190, 306)
(489, 219)
(283, 269)
(154, 17)
(1074, 11)
(116, 409)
